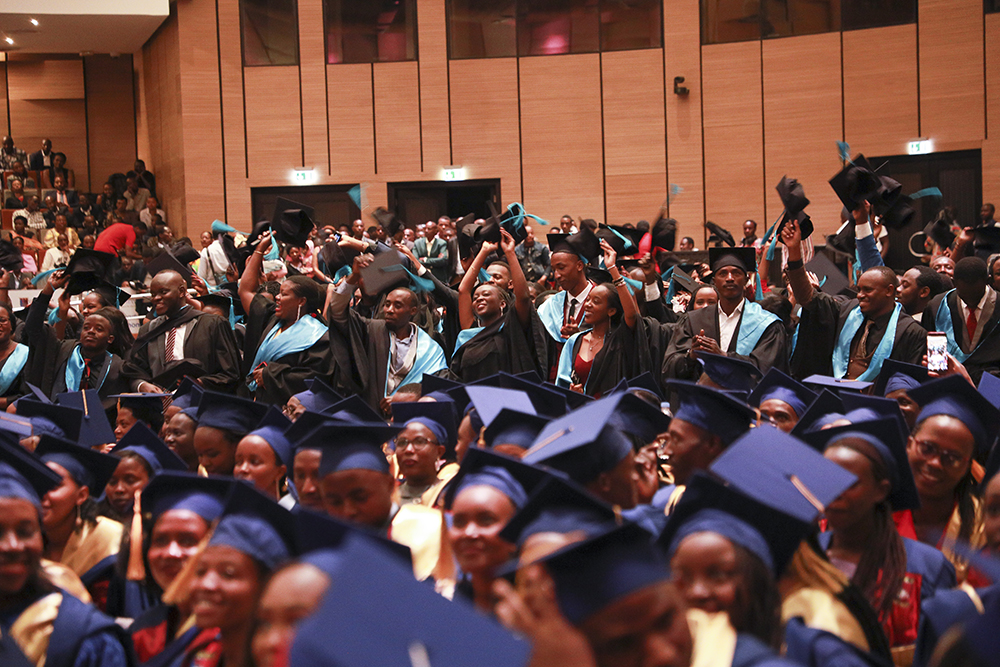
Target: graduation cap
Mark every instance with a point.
(743, 258)
(989, 387)
(100, 264)
(939, 231)
(844, 240)
(86, 466)
(681, 279)
(176, 372)
(14, 428)
(559, 505)
(318, 395)
(489, 401)
(664, 234)
(637, 417)
(482, 467)
(782, 387)
(644, 381)
(351, 446)
(303, 427)
(185, 254)
(165, 261)
(24, 475)
(95, 429)
(709, 506)
(147, 408)
(141, 440)
(792, 194)
(836, 384)
(220, 300)
(573, 398)
(547, 399)
(826, 403)
(334, 256)
(855, 183)
(354, 409)
(884, 437)
(467, 232)
(782, 472)
(898, 375)
(11, 258)
(320, 532)
(385, 272)
(272, 429)
(255, 525)
(349, 631)
(597, 275)
(181, 490)
(229, 413)
(292, 222)
(583, 244)
(48, 418)
(899, 214)
(952, 395)
(439, 418)
(625, 240)
(728, 372)
(80, 283)
(719, 235)
(832, 280)
(388, 221)
(583, 443)
(711, 410)
(513, 428)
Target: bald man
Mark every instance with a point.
(180, 333)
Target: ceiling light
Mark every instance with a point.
(9, 40)
(34, 21)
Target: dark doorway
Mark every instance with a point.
(417, 202)
(958, 174)
(332, 203)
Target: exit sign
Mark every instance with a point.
(453, 174)
(920, 147)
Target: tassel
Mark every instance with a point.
(633, 285)
(419, 284)
(484, 277)
(844, 151)
(355, 194)
(759, 294)
(136, 569)
(927, 192)
(273, 253)
(179, 590)
(674, 191)
(219, 227)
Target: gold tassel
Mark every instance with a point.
(179, 590)
(978, 472)
(136, 569)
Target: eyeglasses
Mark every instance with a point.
(929, 450)
(418, 443)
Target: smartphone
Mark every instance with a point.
(937, 351)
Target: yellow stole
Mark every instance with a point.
(92, 543)
(419, 528)
(713, 636)
(977, 539)
(675, 497)
(66, 579)
(33, 628)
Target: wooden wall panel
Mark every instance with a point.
(635, 161)
(38, 79)
(485, 122)
(62, 121)
(682, 57)
(734, 137)
(352, 122)
(882, 128)
(111, 133)
(312, 68)
(992, 75)
(397, 120)
(274, 136)
(4, 117)
(237, 197)
(803, 121)
(561, 136)
(951, 71)
(434, 107)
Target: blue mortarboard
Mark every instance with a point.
(991, 468)
(573, 398)
(638, 418)
(140, 403)
(37, 393)
(352, 408)
(591, 575)
(547, 399)
(141, 440)
(86, 466)
(826, 403)
(559, 505)
(862, 407)
(229, 413)
(95, 429)
(351, 446)
(349, 631)
(16, 426)
(176, 490)
(315, 531)
(438, 417)
(952, 395)
(712, 410)
(187, 395)
(884, 437)
(896, 375)
(582, 444)
(306, 424)
(776, 385)
(989, 387)
(432, 383)
(318, 396)
(510, 427)
(272, 429)
(49, 418)
(782, 472)
(645, 382)
(710, 506)
(729, 372)
(489, 401)
(513, 478)
(981, 634)
(255, 525)
(836, 384)
(24, 475)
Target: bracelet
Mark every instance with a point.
(794, 264)
(619, 282)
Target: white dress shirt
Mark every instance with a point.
(728, 325)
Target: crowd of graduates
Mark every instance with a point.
(333, 448)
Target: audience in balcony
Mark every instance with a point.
(61, 227)
(58, 256)
(152, 210)
(15, 195)
(58, 168)
(42, 159)
(9, 155)
(20, 172)
(32, 214)
(135, 196)
(145, 179)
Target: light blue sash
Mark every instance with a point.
(564, 371)
(300, 336)
(944, 323)
(15, 362)
(551, 315)
(754, 322)
(75, 366)
(842, 352)
(464, 336)
(429, 360)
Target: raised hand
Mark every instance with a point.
(609, 254)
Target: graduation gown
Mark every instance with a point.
(624, 355)
(286, 375)
(770, 350)
(160, 636)
(209, 340)
(91, 553)
(812, 647)
(820, 324)
(504, 345)
(944, 314)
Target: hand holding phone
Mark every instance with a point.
(937, 351)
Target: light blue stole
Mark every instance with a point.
(754, 322)
(551, 315)
(564, 371)
(300, 336)
(15, 362)
(944, 323)
(75, 366)
(842, 351)
(429, 360)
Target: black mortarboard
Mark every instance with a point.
(856, 183)
(597, 275)
(388, 221)
(185, 254)
(664, 234)
(255, 525)
(939, 231)
(684, 280)
(625, 240)
(95, 429)
(229, 413)
(87, 467)
(467, 232)
(222, 301)
(719, 235)
(844, 240)
(11, 258)
(744, 258)
(292, 222)
(952, 395)
(792, 195)
(141, 440)
(175, 372)
(92, 261)
(82, 282)
(334, 256)
(583, 244)
(832, 280)
(899, 214)
(385, 273)
(167, 262)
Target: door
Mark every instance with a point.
(332, 203)
(417, 202)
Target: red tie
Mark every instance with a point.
(970, 324)
(168, 354)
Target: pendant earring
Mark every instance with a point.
(79, 517)
(298, 313)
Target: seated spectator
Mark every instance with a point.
(21, 173)
(58, 168)
(87, 242)
(162, 241)
(49, 210)
(130, 273)
(30, 266)
(15, 196)
(135, 197)
(83, 208)
(9, 155)
(122, 211)
(58, 256)
(151, 211)
(145, 179)
(89, 226)
(41, 160)
(60, 227)
(61, 195)
(118, 236)
(33, 215)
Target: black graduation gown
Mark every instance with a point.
(819, 329)
(624, 355)
(450, 325)
(658, 337)
(287, 375)
(986, 357)
(505, 346)
(771, 350)
(209, 341)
